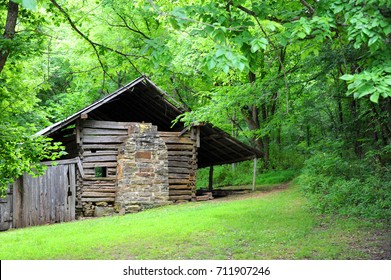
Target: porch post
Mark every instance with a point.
(254, 173)
(210, 178)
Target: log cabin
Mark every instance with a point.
(124, 154)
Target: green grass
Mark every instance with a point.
(276, 225)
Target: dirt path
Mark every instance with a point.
(255, 194)
(377, 244)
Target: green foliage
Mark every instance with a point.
(28, 4)
(360, 188)
(241, 174)
(375, 82)
(22, 153)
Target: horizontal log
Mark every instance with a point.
(183, 164)
(178, 176)
(98, 199)
(98, 194)
(179, 158)
(173, 134)
(180, 187)
(179, 170)
(179, 153)
(180, 197)
(177, 140)
(98, 183)
(169, 133)
(100, 152)
(203, 198)
(183, 147)
(178, 181)
(180, 192)
(97, 147)
(100, 131)
(61, 162)
(99, 164)
(101, 180)
(104, 139)
(101, 190)
(99, 158)
(107, 124)
(90, 172)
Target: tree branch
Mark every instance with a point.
(309, 7)
(92, 43)
(130, 28)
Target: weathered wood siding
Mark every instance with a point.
(47, 199)
(182, 165)
(6, 212)
(99, 143)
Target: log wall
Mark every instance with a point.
(182, 165)
(99, 145)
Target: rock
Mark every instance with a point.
(103, 211)
(103, 204)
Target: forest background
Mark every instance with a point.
(305, 82)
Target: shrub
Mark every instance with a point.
(360, 188)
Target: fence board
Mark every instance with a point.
(45, 199)
(5, 212)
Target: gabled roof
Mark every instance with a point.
(142, 101)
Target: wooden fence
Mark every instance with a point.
(6, 212)
(47, 199)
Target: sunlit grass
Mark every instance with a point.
(277, 225)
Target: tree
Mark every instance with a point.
(19, 151)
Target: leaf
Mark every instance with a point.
(219, 34)
(301, 35)
(220, 52)
(375, 97)
(372, 40)
(211, 64)
(258, 43)
(225, 69)
(29, 4)
(338, 8)
(347, 77)
(365, 90)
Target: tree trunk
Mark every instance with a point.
(9, 31)
(356, 127)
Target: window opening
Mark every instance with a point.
(100, 171)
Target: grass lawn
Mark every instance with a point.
(272, 225)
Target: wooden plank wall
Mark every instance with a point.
(6, 211)
(182, 165)
(47, 199)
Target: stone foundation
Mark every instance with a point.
(142, 172)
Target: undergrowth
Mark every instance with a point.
(241, 174)
(355, 187)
